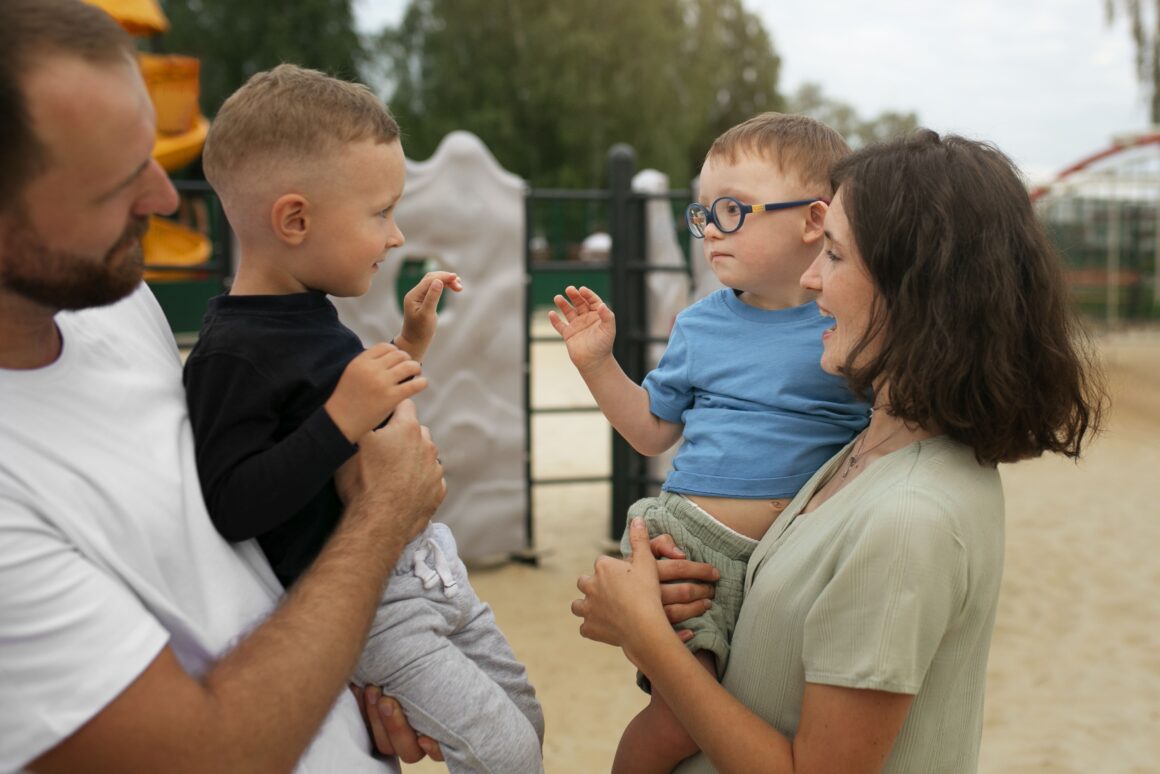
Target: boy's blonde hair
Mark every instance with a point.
(290, 116)
(797, 144)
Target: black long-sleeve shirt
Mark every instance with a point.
(267, 451)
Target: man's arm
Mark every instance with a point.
(260, 706)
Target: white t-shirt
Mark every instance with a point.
(106, 550)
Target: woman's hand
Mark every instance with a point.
(388, 725)
(622, 598)
(686, 586)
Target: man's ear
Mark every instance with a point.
(290, 218)
(813, 227)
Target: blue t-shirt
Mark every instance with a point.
(760, 414)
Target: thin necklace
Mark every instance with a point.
(857, 453)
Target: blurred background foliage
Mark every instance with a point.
(549, 87)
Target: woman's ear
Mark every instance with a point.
(290, 218)
(813, 227)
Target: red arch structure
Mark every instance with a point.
(1116, 148)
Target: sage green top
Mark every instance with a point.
(891, 584)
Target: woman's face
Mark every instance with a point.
(845, 291)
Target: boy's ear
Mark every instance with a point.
(813, 227)
(290, 218)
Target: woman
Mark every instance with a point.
(862, 643)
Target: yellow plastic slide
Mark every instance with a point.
(172, 244)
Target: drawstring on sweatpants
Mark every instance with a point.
(441, 572)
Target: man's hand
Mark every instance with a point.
(420, 311)
(390, 729)
(370, 388)
(396, 474)
(587, 325)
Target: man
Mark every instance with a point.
(132, 638)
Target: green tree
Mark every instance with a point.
(549, 87)
(236, 38)
(811, 101)
(1144, 23)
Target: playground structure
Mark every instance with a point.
(1103, 213)
(182, 265)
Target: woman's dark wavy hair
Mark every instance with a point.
(30, 29)
(979, 334)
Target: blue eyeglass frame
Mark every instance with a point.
(744, 209)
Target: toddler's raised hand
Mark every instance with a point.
(370, 388)
(587, 325)
(420, 316)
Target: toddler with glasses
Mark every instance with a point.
(309, 170)
(740, 380)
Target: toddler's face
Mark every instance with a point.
(354, 217)
(759, 258)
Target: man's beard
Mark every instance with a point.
(62, 280)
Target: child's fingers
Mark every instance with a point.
(403, 370)
(431, 298)
(449, 279)
(388, 357)
(410, 387)
(577, 300)
(381, 349)
(557, 322)
(564, 306)
(590, 296)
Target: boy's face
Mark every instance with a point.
(353, 217)
(764, 258)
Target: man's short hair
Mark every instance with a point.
(290, 115)
(31, 31)
(798, 145)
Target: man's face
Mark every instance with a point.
(60, 279)
(74, 239)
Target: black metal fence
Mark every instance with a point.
(621, 280)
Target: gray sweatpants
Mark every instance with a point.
(435, 647)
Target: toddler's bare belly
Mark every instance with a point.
(749, 517)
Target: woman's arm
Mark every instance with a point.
(841, 729)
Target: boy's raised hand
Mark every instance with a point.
(420, 316)
(587, 325)
(370, 388)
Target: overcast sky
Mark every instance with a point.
(1048, 81)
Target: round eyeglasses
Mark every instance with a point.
(728, 214)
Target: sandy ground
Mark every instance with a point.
(1074, 676)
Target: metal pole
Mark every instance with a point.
(1156, 259)
(1112, 309)
(621, 167)
(529, 302)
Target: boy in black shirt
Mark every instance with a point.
(309, 170)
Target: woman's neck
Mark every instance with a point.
(887, 432)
